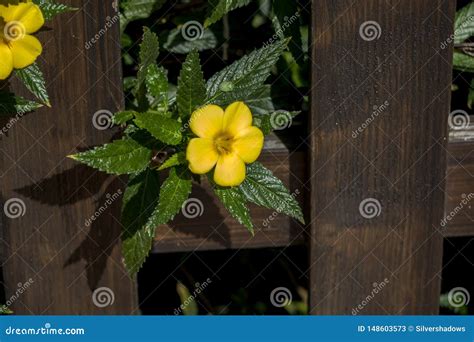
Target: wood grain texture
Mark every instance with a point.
(459, 207)
(398, 158)
(52, 244)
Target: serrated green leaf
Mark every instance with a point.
(286, 21)
(234, 202)
(464, 23)
(33, 79)
(175, 160)
(263, 188)
(123, 156)
(162, 128)
(463, 62)
(245, 75)
(173, 193)
(50, 9)
(156, 81)
(219, 8)
(191, 91)
(11, 105)
(149, 51)
(259, 100)
(123, 116)
(139, 201)
(176, 43)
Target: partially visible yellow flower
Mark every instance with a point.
(18, 48)
(226, 140)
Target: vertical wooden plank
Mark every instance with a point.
(379, 125)
(52, 244)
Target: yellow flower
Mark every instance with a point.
(226, 140)
(18, 49)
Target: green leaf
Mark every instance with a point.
(156, 81)
(245, 75)
(259, 100)
(464, 23)
(264, 189)
(286, 20)
(149, 51)
(124, 116)
(176, 43)
(234, 202)
(50, 8)
(173, 193)
(162, 128)
(185, 296)
(14, 105)
(33, 79)
(175, 160)
(219, 8)
(463, 62)
(119, 157)
(132, 10)
(191, 87)
(139, 201)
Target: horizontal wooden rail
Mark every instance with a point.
(215, 230)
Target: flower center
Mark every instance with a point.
(223, 143)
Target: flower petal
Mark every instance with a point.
(6, 66)
(237, 117)
(248, 144)
(202, 155)
(230, 170)
(28, 14)
(206, 122)
(25, 51)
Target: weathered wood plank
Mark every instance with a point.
(395, 86)
(51, 243)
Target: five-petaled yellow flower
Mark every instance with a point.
(18, 48)
(226, 140)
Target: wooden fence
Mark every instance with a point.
(405, 161)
